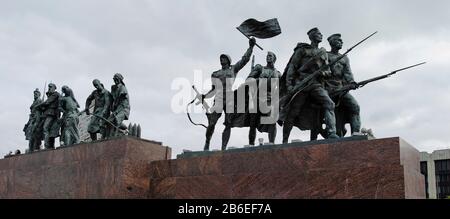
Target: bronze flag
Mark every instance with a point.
(262, 30)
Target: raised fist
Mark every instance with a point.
(252, 42)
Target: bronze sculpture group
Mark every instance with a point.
(313, 90)
(58, 115)
(307, 59)
(312, 94)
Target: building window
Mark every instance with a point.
(442, 178)
(424, 171)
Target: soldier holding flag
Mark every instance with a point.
(222, 82)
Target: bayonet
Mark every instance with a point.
(351, 48)
(358, 85)
(43, 94)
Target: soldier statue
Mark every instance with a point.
(102, 105)
(307, 59)
(347, 109)
(120, 108)
(33, 129)
(267, 73)
(68, 105)
(222, 82)
(51, 114)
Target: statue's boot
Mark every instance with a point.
(209, 133)
(314, 134)
(225, 137)
(330, 122)
(252, 136)
(206, 147)
(49, 143)
(355, 125)
(46, 142)
(272, 134)
(333, 136)
(31, 144)
(37, 146)
(93, 136)
(287, 128)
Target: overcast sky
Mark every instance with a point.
(153, 42)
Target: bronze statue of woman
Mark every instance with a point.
(68, 105)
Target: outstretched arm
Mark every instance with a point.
(245, 58)
(210, 93)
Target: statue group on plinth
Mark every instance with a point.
(313, 93)
(58, 115)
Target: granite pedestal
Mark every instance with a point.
(116, 168)
(333, 169)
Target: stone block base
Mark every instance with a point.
(116, 168)
(346, 168)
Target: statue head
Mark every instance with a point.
(97, 84)
(65, 90)
(335, 41)
(271, 58)
(225, 60)
(51, 87)
(118, 79)
(36, 93)
(69, 93)
(315, 35)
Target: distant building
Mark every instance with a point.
(436, 168)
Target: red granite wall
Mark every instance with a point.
(369, 169)
(116, 168)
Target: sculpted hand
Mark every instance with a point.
(354, 85)
(252, 42)
(326, 73)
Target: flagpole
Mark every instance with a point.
(249, 38)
